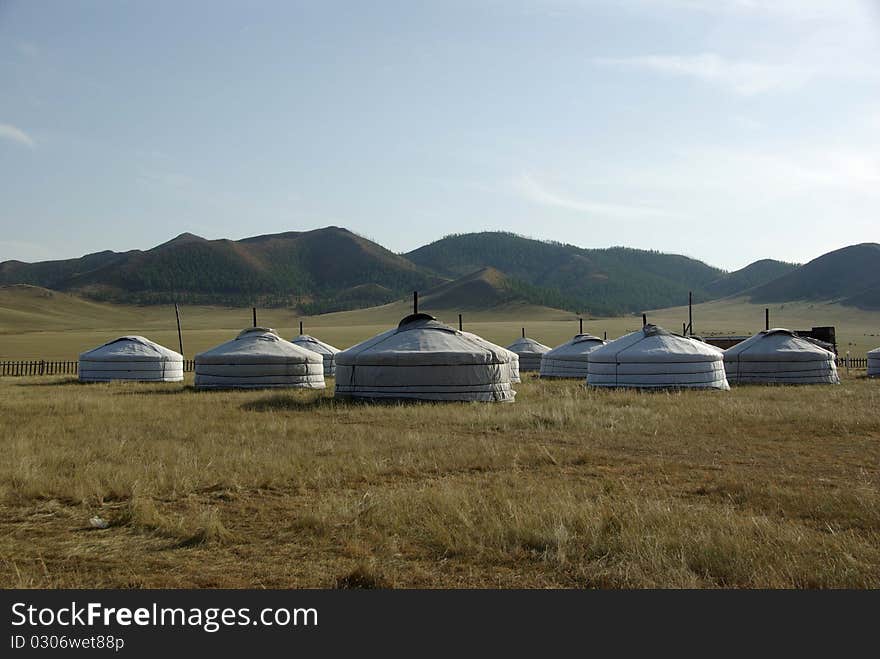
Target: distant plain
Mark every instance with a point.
(37, 324)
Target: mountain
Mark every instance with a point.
(317, 270)
(850, 275)
(485, 288)
(754, 274)
(333, 269)
(598, 281)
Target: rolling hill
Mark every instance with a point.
(333, 269)
(598, 281)
(315, 270)
(850, 275)
(754, 274)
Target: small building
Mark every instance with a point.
(570, 360)
(780, 356)
(874, 363)
(259, 358)
(131, 358)
(529, 352)
(654, 358)
(424, 359)
(327, 352)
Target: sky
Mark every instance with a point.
(726, 130)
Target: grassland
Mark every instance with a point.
(39, 324)
(566, 487)
(775, 487)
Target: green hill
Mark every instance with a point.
(850, 275)
(754, 274)
(598, 281)
(333, 269)
(319, 270)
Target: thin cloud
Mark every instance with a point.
(14, 134)
(798, 10)
(740, 76)
(536, 192)
(812, 39)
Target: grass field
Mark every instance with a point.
(38, 324)
(566, 487)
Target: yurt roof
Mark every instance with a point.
(420, 339)
(526, 345)
(258, 344)
(577, 347)
(875, 352)
(777, 344)
(131, 349)
(655, 344)
(313, 344)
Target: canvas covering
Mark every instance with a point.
(874, 363)
(327, 352)
(529, 352)
(653, 358)
(426, 360)
(514, 358)
(259, 358)
(131, 358)
(779, 356)
(570, 359)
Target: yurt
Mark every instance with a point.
(529, 352)
(514, 358)
(780, 356)
(259, 358)
(653, 358)
(874, 363)
(514, 367)
(569, 360)
(426, 360)
(131, 358)
(327, 352)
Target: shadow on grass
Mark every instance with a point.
(292, 402)
(73, 380)
(173, 389)
(289, 402)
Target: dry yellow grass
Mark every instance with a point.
(39, 324)
(567, 487)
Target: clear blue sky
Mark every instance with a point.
(727, 130)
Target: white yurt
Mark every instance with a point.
(874, 363)
(779, 356)
(514, 367)
(327, 352)
(569, 360)
(514, 358)
(131, 358)
(259, 358)
(653, 358)
(426, 360)
(529, 352)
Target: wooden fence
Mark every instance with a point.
(852, 362)
(43, 367)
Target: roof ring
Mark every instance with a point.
(414, 318)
